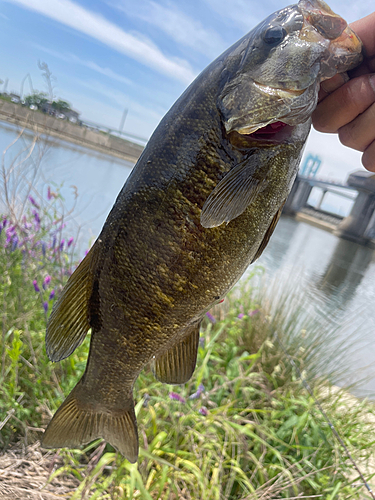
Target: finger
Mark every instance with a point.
(368, 157)
(359, 133)
(329, 86)
(364, 28)
(345, 104)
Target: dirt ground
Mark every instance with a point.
(24, 474)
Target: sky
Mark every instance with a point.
(108, 56)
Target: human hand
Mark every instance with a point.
(348, 107)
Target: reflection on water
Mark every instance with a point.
(344, 272)
(340, 278)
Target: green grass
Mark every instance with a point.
(253, 432)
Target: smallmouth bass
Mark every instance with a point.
(199, 207)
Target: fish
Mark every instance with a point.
(198, 208)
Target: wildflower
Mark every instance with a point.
(44, 248)
(240, 316)
(49, 194)
(46, 281)
(33, 202)
(202, 341)
(203, 411)
(210, 317)
(177, 397)
(70, 241)
(62, 245)
(14, 243)
(45, 306)
(52, 295)
(53, 242)
(198, 393)
(5, 221)
(253, 313)
(36, 216)
(36, 287)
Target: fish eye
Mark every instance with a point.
(274, 35)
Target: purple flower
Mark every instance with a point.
(198, 393)
(49, 194)
(70, 241)
(53, 242)
(177, 397)
(5, 221)
(210, 317)
(45, 306)
(202, 341)
(36, 216)
(44, 248)
(240, 316)
(14, 243)
(52, 295)
(253, 313)
(46, 281)
(36, 287)
(32, 200)
(62, 245)
(203, 411)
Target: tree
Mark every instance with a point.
(37, 98)
(61, 106)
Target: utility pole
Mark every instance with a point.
(124, 115)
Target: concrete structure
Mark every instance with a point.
(45, 124)
(359, 226)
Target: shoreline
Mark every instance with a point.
(40, 123)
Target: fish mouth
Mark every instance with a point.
(273, 132)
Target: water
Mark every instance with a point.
(339, 275)
(96, 178)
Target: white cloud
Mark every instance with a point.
(96, 26)
(182, 28)
(72, 58)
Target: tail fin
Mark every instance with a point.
(75, 424)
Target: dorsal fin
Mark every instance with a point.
(68, 324)
(177, 365)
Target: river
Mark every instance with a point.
(339, 275)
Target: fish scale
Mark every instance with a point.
(199, 206)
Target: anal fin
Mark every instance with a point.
(177, 365)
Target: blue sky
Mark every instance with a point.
(114, 54)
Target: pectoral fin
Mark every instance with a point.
(269, 233)
(177, 365)
(68, 324)
(233, 194)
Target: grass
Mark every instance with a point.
(244, 426)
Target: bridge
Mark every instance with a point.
(359, 225)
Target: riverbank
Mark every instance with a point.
(50, 126)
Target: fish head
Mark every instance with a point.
(280, 65)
